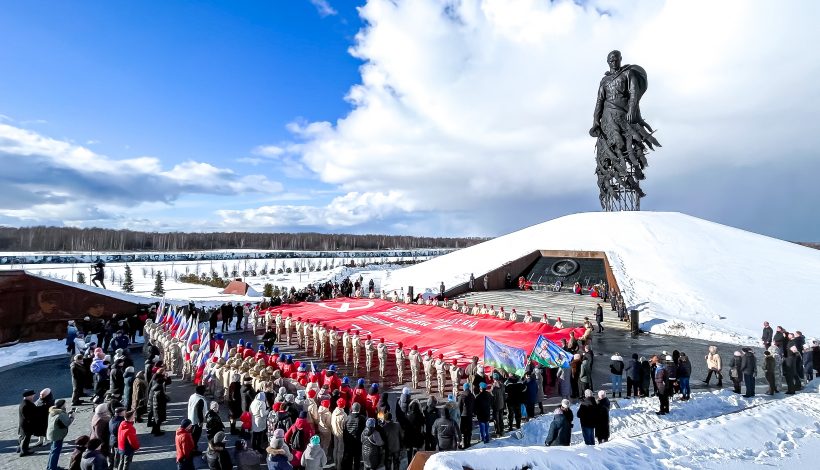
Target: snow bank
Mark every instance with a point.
(713, 430)
(688, 276)
(32, 351)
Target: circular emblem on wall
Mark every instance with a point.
(564, 267)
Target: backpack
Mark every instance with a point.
(296, 440)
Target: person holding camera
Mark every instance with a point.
(58, 422)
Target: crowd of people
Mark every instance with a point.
(284, 413)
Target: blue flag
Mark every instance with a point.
(550, 355)
(501, 356)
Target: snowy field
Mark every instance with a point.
(310, 270)
(719, 430)
(688, 277)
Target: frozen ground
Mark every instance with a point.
(688, 276)
(713, 430)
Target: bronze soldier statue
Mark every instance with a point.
(624, 137)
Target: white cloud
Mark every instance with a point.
(473, 108)
(344, 211)
(323, 7)
(45, 179)
(268, 151)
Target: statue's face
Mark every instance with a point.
(614, 61)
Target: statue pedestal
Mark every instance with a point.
(626, 200)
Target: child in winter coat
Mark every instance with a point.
(314, 457)
(279, 456)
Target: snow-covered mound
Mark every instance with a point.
(713, 430)
(688, 276)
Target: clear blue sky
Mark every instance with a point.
(174, 79)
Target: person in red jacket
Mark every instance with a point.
(248, 352)
(360, 394)
(306, 431)
(331, 379)
(372, 401)
(127, 442)
(345, 391)
(274, 358)
(301, 374)
(261, 354)
(185, 445)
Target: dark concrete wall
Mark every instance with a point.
(521, 265)
(33, 308)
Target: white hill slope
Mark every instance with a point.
(688, 276)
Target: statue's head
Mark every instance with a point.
(614, 60)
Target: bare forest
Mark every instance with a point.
(99, 239)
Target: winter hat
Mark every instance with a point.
(405, 391)
(357, 407)
(332, 368)
(371, 423)
(565, 403)
(481, 385)
(341, 403)
(214, 406)
(360, 382)
(668, 358)
(279, 434)
(466, 386)
(374, 388)
(277, 406)
(184, 423)
(28, 393)
(59, 403)
(303, 414)
(601, 394)
(315, 440)
(219, 438)
(311, 393)
(82, 441)
(635, 356)
(587, 393)
(325, 403)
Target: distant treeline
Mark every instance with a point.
(99, 239)
(816, 246)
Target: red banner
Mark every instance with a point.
(444, 331)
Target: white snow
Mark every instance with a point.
(713, 430)
(34, 350)
(180, 293)
(688, 276)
